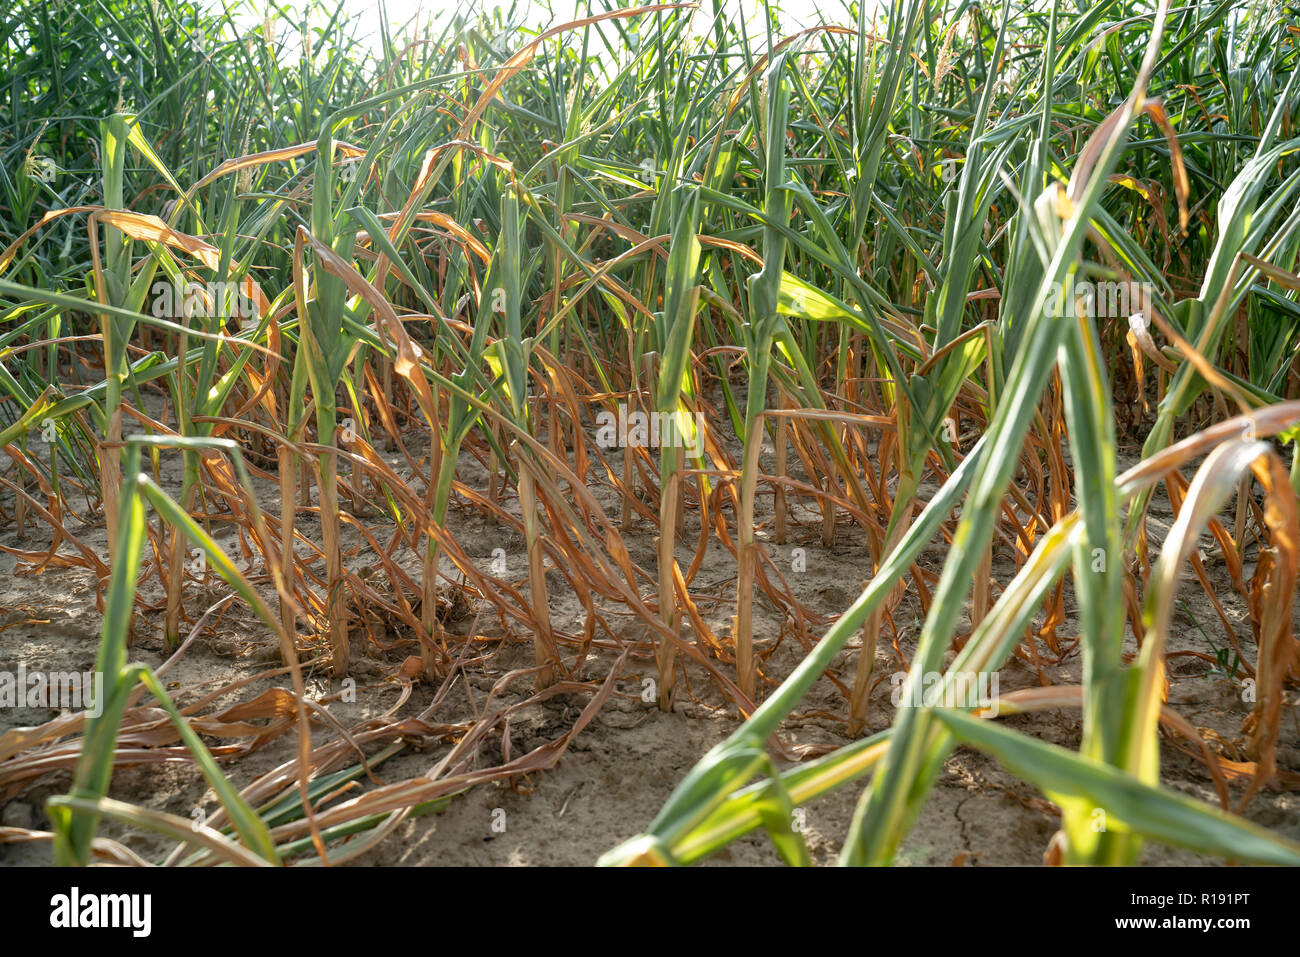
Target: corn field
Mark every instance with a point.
(893, 407)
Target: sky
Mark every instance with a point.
(794, 13)
(800, 12)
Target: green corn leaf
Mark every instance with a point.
(1128, 803)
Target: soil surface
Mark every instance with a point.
(619, 770)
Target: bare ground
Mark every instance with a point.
(621, 768)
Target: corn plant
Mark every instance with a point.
(1116, 769)
(855, 240)
(76, 816)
